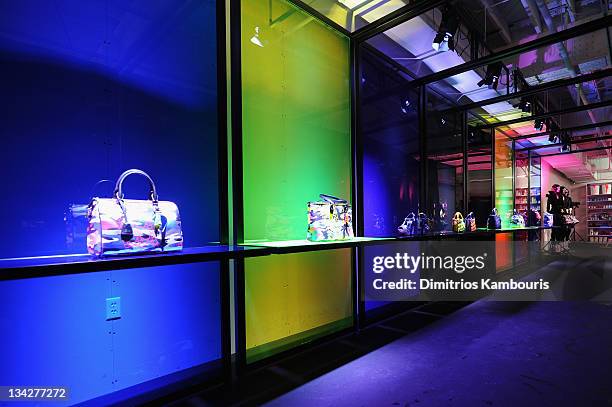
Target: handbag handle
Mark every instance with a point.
(332, 199)
(458, 216)
(122, 177)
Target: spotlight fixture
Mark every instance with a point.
(565, 140)
(539, 124)
(444, 39)
(405, 105)
(255, 39)
(492, 76)
(525, 105)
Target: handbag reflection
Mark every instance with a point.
(458, 223)
(329, 219)
(494, 220)
(126, 226)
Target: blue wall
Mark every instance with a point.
(55, 332)
(92, 88)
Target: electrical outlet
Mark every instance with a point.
(113, 308)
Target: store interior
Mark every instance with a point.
(243, 112)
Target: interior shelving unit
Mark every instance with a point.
(599, 212)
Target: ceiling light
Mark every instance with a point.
(539, 124)
(405, 105)
(255, 39)
(492, 75)
(444, 39)
(525, 105)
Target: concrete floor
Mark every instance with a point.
(486, 354)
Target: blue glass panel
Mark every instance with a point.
(96, 87)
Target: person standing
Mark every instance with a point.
(554, 205)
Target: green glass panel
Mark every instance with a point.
(295, 298)
(296, 117)
(296, 145)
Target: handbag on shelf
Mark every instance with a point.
(131, 226)
(534, 218)
(517, 220)
(458, 223)
(409, 227)
(329, 219)
(548, 219)
(569, 219)
(470, 222)
(494, 220)
(423, 223)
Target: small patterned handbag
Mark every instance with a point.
(423, 223)
(548, 219)
(494, 221)
(517, 220)
(458, 223)
(409, 227)
(470, 222)
(329, 219)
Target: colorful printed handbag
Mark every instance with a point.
(534, 218)
(329, 219)
(548, 219)
(470, 222)
(494, 221)
(458, 223)
(517, 220)
(409, 227)
(569, 219)
(130, 226)
(423, 223)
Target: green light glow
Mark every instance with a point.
(296, 145)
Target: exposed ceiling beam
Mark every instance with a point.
(572, 109)
(539, 88)
(500, 23)
(575, 128)
(576, 31)
(395, 18)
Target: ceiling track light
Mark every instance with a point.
(405, 105)
(445, 37)
(255, 39)
(492, 75)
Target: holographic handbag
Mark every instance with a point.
(517, 220)
(470, 222)
(424, 225)
(548, 219)
(329, 219)
(130, 226)
(494, 220)
(458, 223)
(409, 227)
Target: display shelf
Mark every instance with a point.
(598, 205)
(297, 246)
(44, 266)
